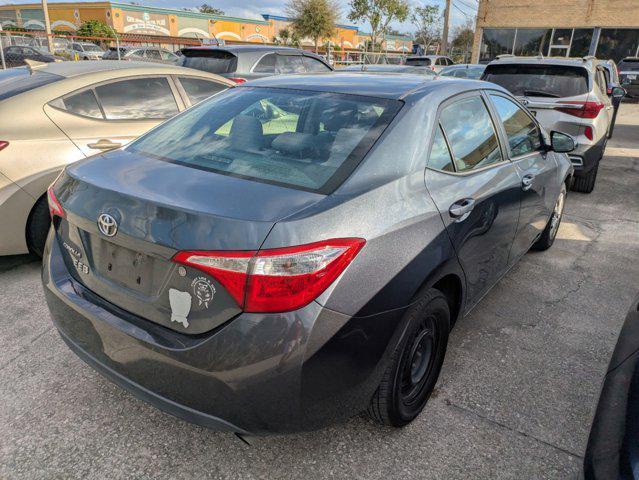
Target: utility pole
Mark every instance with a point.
(47, 25)
(444, 48)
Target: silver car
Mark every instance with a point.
(435, 62)
(568, 95)
(296, 250)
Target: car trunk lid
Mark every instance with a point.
(160, 208)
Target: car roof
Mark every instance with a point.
(515, 60)
(75, 69)
(247, 48)
(372, 84)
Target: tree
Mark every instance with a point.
(379, 14)
(94, 28)
(426, 20)
(286, 37)
(463, 38)
(314, 19)
(211, 10)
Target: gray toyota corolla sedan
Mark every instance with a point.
(295, 250)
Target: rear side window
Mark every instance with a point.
(440, 158)
(292, 138)
(418, 62)
(314, 65)
(289, 64)
(83, 103)
(522, 132)
(213, 61)
(198, 89)
(137, 99)
(555, 81)
(14, 81)
(471, 134)
(266, 64)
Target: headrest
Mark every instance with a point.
(246, 133)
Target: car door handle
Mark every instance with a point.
(461, 209)
(104, 144)
(527, 182)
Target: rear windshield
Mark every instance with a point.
(14, 81)
(213, 61)
(629, 64)
(418, 62)
(554, 81)
(305, 140)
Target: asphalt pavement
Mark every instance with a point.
(515, 399)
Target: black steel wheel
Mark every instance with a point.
(415, 365)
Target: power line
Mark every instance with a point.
(474, 8)
(469, 16)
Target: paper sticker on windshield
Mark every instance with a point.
(180, 306)
(203, 290)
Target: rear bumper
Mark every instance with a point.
(258, 373)
(586, 157)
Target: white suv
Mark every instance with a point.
(566, 95)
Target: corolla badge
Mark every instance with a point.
(107, 225)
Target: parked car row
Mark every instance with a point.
(288, 252)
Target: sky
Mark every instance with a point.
(253, 8)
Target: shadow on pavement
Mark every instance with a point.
(13, 261)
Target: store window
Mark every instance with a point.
(531, 41)
(617, 43)
(496, 41)
(581, 38)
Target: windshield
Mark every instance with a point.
(555, 81)
(629, 64)
(213, 61)
(418, 62)
(14, 81)
(306, 140)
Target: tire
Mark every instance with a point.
(38, 226)
(585, 183)
(415, 365)
(552, 227)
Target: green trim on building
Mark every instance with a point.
(185, 13)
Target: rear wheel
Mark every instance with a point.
(586, 183)
(409, 380)
(38, 226)
(552, 227)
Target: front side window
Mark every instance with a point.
(153, 54)
(306, 140)
(471, 134)
(440, 158)
(198, 89)
(137, 99)
(522, 132)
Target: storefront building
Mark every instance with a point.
(608, 29)
(143, 20)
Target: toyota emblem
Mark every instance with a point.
(107, 225)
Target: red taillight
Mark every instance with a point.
(54, 205)
(582, 109)
(276, 280)
(237, 79)
(3, 144)
(588, 133)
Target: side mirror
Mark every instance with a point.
(561, 143)
(618, 92)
